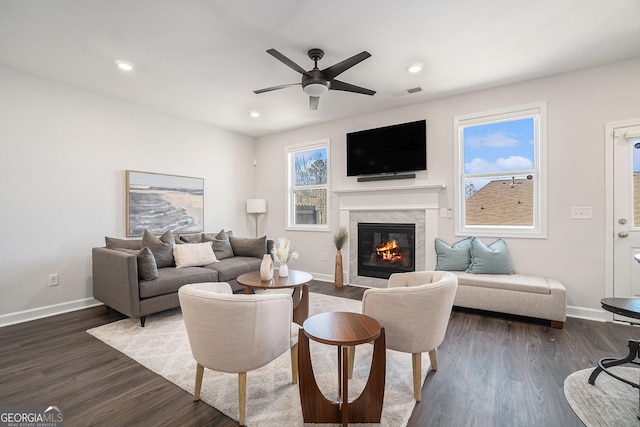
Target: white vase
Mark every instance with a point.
(266, 268)
(283, 271)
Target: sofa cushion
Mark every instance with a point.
(456, 257)
(147, 269)
(221, 247)
(230, 268)
(511, 282)
(492, 259)
(114, 243)
(193, 254)
(162, 248)
(249, 247)
(170, 279)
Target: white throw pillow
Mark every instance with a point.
(193, 254)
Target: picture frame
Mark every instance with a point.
(161, 202)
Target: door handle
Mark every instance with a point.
(623, 234)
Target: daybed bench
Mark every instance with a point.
(487, 281)
(137, 281)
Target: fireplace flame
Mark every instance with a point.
(389, 251)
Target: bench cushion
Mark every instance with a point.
(513, 282)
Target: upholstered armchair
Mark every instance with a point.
(414, 310)
(237, 333)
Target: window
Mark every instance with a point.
(308, 181)
(500, 159)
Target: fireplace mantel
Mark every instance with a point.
(408, 204)
(382, 198)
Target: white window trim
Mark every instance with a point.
(294, 148)
(539, 230)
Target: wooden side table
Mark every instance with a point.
(298, 280)
(343, 330)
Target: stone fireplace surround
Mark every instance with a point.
(416, 204)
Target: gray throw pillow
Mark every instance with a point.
(222, 235)
(162, 248)
(147, 268)
(221, 247)
(492, 259)
(113, 243)
(247, 246)
(191, 238)
(456, 257)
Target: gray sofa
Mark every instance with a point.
(137, 281)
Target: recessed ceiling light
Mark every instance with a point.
(124, 65)
(414, 68)
(254, 114)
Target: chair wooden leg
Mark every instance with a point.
(432, 358)
(294, 364)
(199, 373)
(351, 355)
(242, 397)
(416, 361)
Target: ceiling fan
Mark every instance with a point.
(317, 82)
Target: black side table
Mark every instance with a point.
(629, 307)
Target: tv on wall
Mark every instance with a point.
(388, 150)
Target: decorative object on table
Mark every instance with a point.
(158, 202)
(284, 253)
(339, 239)
(266, 268)
(256, 207)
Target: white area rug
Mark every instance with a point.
(608, 402)
(163, 347)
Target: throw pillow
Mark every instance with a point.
(456, 257)
(113, 243)
(162, 248)
(247, 246)
(222, 235)
(492, 259)
(191, 238)
(147, 268)
(193, 255)
(221, 247)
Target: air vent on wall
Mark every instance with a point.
(406, 91)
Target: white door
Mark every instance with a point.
(626, 210)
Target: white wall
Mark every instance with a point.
(578, 104)
(63, 156)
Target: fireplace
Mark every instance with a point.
(385, 248)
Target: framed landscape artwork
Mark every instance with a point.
(159, 202)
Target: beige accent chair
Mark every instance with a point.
(414, 310)
(237, 333)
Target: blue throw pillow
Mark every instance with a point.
(456, 257)
(492, 259)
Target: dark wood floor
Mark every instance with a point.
(493, 371)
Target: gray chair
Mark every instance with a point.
(237, 333)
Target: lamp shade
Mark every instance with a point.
(256, 206)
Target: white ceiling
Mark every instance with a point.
(202, 59)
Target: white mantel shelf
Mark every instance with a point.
(430, 188)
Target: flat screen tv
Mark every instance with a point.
(388, 150)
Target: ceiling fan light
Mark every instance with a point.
(315, 89)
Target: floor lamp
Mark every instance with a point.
(256, 207)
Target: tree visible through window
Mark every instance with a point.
(500, 172)
(308, 185)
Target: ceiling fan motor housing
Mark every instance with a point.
(314, 77)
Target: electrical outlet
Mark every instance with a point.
(54, 279)
(581, 213)
(325, 256)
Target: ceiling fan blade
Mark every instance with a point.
(343, 66)
(286, 61)
(269, 89)
(313, 102)
(348, 87)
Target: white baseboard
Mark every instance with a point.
(50, 310)
(586, 313)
